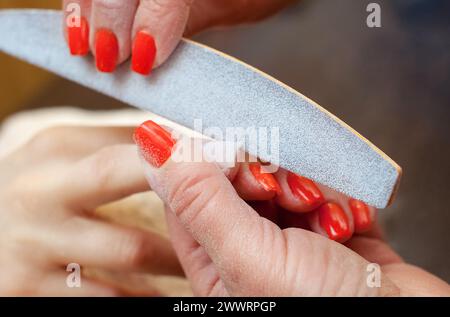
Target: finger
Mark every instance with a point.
(76, 25)
(69, 142)
(57, 284)
(252, 183)
(108, 175)
(298, 194)
(251, 254)
(205, 203)
(93, 243)
(129, 283)
(334, 218)
(363, 216)
(157, 29)
(112, 22)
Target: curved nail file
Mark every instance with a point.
(200, 83)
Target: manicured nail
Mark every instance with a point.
(305, 189)
(78, 37)
(361, 215)
(106, 50)
(144, 53)
(334, 221)
(267, 180)
(155, 143)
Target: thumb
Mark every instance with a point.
(205, 203)
(252, 255)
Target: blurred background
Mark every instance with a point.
(392, 84)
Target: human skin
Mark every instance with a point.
(52, 184)
(49, 190)
(227, 248)
(149, 30)
(164, 22)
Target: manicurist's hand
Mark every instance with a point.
(49, 191)
(239, 232)
(149, 30)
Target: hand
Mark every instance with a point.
(49, 191)
(149, 30)
(227, 248)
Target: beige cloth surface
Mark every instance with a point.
(141, 210)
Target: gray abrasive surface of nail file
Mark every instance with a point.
(198, 82)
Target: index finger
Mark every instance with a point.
(158, 28)
(108, 175)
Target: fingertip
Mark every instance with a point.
(332, 221)
(106, 50)
(78, 37)
(143, 53)
(76, 26)
(363, 216)
(251, 184)
(165, 22)
(298, 193)
(111, 24)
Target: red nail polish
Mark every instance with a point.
(267, 180)
(78, 37)
(361, 215)
(305, 189)
(106, 50)
(334, 221)
(144, 53)
(156, 143)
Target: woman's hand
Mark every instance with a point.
(49, 191)
(227, 248)
(149, 30)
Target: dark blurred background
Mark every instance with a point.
(392, 84)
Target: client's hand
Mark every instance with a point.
(149, 30)
(227, 248)
(49, 190)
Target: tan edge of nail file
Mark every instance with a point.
(198, 82)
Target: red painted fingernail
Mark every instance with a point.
(106, 50)
(305, 189)
(144, 53)
(334, 221)
(361, 215)
(267, 180)
(155, 143)
(78, 37)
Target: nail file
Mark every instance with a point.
(198, 82)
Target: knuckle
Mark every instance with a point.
(48, 141)
(192, 193)
(166, 6)
(22, 197)
(103, 164)
(110, 4)
(133, 249)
